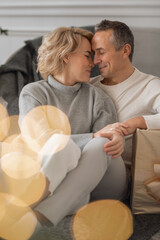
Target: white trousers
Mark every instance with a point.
(74, 186)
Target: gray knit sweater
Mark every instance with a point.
(88, 108)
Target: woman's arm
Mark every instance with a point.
(105, 112)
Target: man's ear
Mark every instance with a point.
(126, 50)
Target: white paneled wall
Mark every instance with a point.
(29, 19)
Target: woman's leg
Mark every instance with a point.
(113, 184)
(59, 156)
(73, 192)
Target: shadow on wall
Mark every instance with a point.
(147, 50)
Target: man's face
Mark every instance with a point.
(109, 61)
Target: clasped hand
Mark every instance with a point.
(115, 132)
(128, 127)
(115, 146)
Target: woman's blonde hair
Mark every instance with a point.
(56, 45)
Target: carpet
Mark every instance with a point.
(145, 226)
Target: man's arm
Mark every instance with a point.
(128, 127)
(134, 123)
(104, 116)
(115, 132)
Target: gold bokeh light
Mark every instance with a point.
(41, 123)
(4, 122)
(18, 223)
(17, 159)
(18, 165)
(103, 220)
(29, 190)
(23, 184)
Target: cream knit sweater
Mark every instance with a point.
(139, 95)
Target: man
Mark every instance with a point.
(136, 95)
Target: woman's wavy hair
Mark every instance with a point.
(56, 45)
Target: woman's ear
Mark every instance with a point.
(65, 58)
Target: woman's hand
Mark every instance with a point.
(115, 132)
(115, 146)
(119, 128)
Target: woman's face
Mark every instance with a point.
(80, 63)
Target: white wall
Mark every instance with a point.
(29, 19)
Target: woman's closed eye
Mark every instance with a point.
(87, 56)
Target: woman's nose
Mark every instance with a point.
(91, 62)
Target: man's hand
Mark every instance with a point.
(134, 123)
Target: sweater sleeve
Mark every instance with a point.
(103, 113)
(33, 120)
(153, 120)
(153, 98)
(36, 128)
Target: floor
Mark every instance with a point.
(156, 236)
(142, 231)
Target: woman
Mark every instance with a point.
(64, 61)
